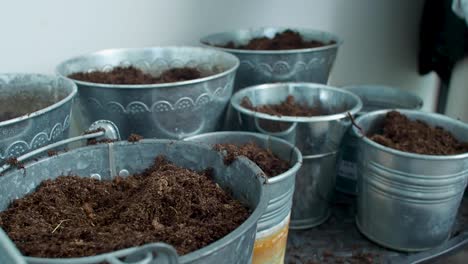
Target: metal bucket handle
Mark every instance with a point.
(159, 253)
(110, 131)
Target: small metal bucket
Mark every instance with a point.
(166, 110)
(374, 97)
(408, 201)
(105, 161)
(39, 127)
(279, 188)
(317, 137)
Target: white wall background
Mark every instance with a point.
(381, 37)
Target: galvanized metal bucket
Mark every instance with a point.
(39, 127)
(268, 66)
(273, 224)
(408, 201)
(318, 138)
(374, 97)
(105, 161)
(169, 110)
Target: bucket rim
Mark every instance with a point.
(237, 97)
(404, 154)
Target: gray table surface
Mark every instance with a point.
(339, 241)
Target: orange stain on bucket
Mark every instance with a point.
(270, 244)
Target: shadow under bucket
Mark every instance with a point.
(407, 201)
(272, 227)
(317, 137)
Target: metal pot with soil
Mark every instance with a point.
(412, 171)
(280, 161)
(374, 97)
(277, 54)
(35, 110)
(162, 92)
(135, 201)
(314, 118)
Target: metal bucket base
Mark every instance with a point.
(373, 239)
(309, 223)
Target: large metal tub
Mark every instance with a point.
(268, 66)
(272, 229)
(170, 110)
(318, 138)
(123, 158)
(374, 97)
(38, 128)
(408, 201)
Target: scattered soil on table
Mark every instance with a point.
(289, 107)
(134, 138)
(132, 75)
(75, 217)
(270, 164)
(14, 162)
(22, 104)
(286, 40)
(94, 141)
(398, 132)
(51, 153)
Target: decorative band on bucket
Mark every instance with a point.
(317, 137)
(374, 97)
(408, 201)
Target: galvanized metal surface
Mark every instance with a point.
(41, 127)
(339, 241)
(280, 188)
(373, 97)
(104, 161)
(408, 201)
(268, 66)
(171, 110)
(317, 137)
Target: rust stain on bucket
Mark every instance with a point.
(270, 245)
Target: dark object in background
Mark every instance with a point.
(443, 42)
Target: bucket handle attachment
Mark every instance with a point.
(159, 253)
(104, 129)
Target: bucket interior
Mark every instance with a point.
(329, 101)
(25, 94)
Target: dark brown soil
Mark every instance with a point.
(74, 217)
(132, 75)
(134, 138)
(286, 40)
(398, 132)
(51, 153)
(270, 164)
(287, 108)
(94, 141)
